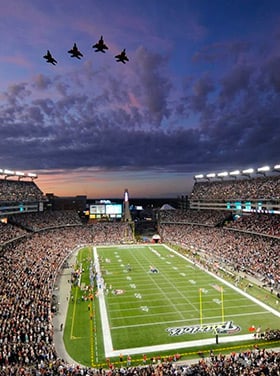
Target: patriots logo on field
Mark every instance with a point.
(227, 327)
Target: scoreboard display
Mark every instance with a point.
(108, 210)
(97, 209)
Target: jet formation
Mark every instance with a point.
(99, 46)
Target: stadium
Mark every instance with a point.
(104, 287)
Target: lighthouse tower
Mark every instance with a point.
(126, 211)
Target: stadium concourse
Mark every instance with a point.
(34, 274)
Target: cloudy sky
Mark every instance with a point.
(200, 92)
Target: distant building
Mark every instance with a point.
(77, 203)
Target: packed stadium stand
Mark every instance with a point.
(250, 225)
(36, 242)
(19, 191)
(267, 187)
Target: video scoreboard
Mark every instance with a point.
(106, 210)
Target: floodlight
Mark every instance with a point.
(32, 175)
(248, 171)
(234, 173)
(1, 171)
(277, 167)
(211, 175)
(200, 176)
(222, 174)
(9, 172)
(19, 173)
(263, 169)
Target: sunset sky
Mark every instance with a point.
(200, 92)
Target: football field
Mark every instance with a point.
(152, 299)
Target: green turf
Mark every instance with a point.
(148, 304)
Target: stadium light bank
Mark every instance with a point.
(247, 172)
(19, 174)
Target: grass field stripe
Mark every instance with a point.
(160, 314)
(91, 328)
(180, 293)
(74, 313)
(174, 287)
(162, 291)
(196, 319)
(95, 338)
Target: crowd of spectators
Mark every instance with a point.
(9, 232)
(266, 224)
(272, 335)
(202, 217)
(48, 219)
(267, 187)
(111, 233)
(256, 223)
(20, 191)
(256, 362)
(26, 285)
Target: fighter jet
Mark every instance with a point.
(75, 52)
(50, 58)
(122, 57)
(100, 46)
